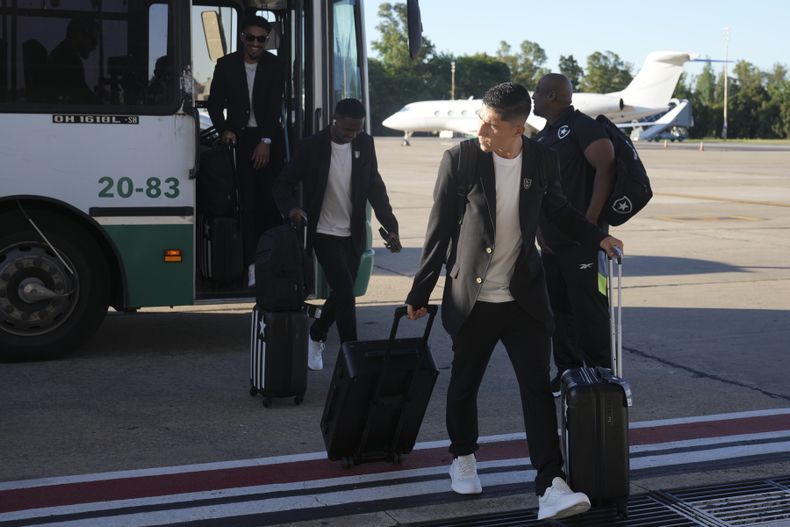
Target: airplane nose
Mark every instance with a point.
(390, 122)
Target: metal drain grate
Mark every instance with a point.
(763, 503)
(741, 504)
(643, 511)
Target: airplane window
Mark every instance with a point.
(405, 108)
(463, 112)
(449, 113)
(436, 113)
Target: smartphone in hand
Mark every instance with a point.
(392, 245)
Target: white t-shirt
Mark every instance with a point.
(251, 69)
(335, 218)
(507, 238)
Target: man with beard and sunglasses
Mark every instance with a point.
(249, 85)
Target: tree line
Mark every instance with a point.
(758, 101)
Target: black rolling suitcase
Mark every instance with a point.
(595, 405)
(278, 354)
(220, 240)
(378, 396)
(220, 249)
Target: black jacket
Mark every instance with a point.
(229, 91)
(468, 259)
(310, 166)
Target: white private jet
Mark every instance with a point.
(648, 93)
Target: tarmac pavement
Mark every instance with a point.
(706, 331)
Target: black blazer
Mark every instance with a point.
(310, 166)
(229, 91)
(468, 259)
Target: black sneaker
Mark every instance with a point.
(556, 385)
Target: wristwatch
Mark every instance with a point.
(266, 140)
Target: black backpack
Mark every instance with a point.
(631, 190)
(283, 270)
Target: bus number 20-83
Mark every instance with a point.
(125, 188)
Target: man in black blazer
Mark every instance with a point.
(249, 85)
(338, 170)
(483, 231)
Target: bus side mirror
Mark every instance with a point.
(415, 27)
(215, 38)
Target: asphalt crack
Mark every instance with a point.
(706, 375)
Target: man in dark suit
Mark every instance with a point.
(249, 85)
(483, 230)
(339, 174)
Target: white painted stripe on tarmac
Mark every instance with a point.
(310, 456)
(280, 504)
(707, 441)
(713, 417)
(715, 454)
(317, 498)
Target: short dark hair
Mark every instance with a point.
(85, 24)
(256, 21)
(350, 108)
(510, 100)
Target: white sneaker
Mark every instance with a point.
(559, 501)
(463, 474)
(315, 351)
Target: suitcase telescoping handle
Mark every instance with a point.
(400, 312)
(302, 224)
(616, 313)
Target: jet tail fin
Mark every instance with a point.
(655, 83)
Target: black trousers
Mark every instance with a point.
(340, 262)
(258, 210)
(581, 310)
(527, 343)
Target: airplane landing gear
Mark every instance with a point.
(406, 137)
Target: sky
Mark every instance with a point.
(759, 30)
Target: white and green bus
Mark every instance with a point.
(98, 192)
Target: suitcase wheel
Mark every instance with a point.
(622, 509)
(298, 399)
(267, 402)
(253, 391)
(347, 462)
(397, 459)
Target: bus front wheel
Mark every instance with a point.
(50, 301)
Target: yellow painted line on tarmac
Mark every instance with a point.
(728, 200)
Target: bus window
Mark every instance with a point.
(346, 72)
(207, 20)
(81, 53)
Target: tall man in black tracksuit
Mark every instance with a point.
(574, 278)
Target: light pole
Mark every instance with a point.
(726, 59)
(452, 82)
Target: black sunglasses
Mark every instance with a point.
(253, 38)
